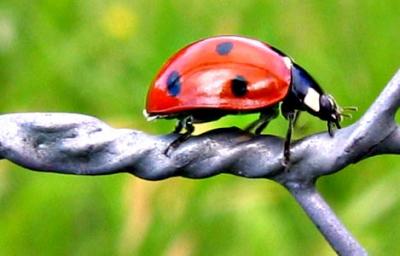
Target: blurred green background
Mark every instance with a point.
(98, 58)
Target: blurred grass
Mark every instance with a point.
(98, 58)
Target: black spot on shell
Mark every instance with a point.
(224, 48)
(174, 83)
(239, 86)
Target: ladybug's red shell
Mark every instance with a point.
(225, 72)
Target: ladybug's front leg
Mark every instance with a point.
(184, 123)
(331, 126)
(292, 117)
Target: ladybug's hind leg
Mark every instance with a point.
(261, 123)
(183, 123)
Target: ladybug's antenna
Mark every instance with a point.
(343, 111)
(350, 108)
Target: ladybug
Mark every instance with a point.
(224, 75)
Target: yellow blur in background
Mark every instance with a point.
(99, 57)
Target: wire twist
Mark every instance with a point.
(84, 145)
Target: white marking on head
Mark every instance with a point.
(288, 62)
(311, 99)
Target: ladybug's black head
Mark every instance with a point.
(310, 97)
(330, 112)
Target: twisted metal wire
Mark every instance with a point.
(84, 145)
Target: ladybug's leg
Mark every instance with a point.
(265, 117)
(179, 126)
(292, 117)
(296, 118)
(187, 124)
(331, 127)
